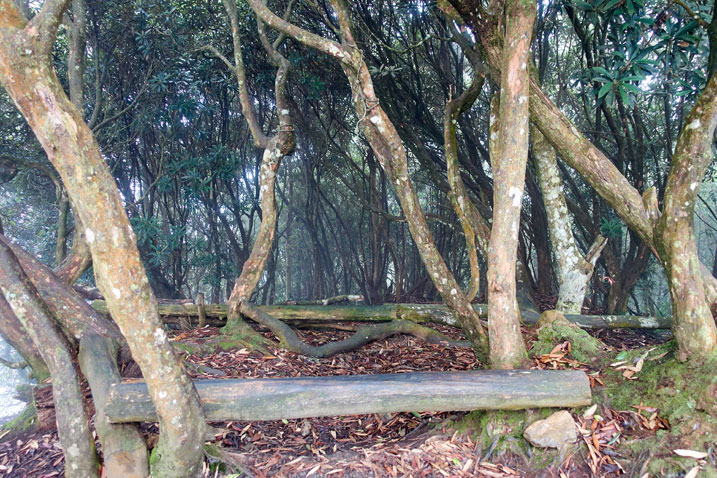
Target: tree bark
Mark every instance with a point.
(507, 349)
(458, 193)
(123, 448)
(275, 148)
(71, 311)
(364, 335)
(73, 424)
(27, 74)
(13, 332)
(574, 271)
(693, 325)
(79, 259)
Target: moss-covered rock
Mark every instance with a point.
(553, 328)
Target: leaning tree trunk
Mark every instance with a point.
(474, 227)
(388, 148)
(693, 325)
(27, 74)
(507, 349)
(573, 270)
(13, 332)
(73, 424)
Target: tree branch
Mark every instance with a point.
(48, 21)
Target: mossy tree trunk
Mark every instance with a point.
(26, 72)
(693, 325)
(475, 228)
(388, 148)
(507, 349)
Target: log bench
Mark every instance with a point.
(304, 397)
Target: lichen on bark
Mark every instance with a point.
(508, 161)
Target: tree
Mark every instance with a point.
(508, 159)
(28, 76)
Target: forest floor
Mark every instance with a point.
(391, 445)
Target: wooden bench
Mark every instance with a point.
(285, 398)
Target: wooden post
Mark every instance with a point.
(284, 398)
(200, 310)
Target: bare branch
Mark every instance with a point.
(48, 21)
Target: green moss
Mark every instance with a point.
(26, 421)
(154, 457)
(554, 329)
(212, 450)
(683, 393)
(499, 432)
(238, 334)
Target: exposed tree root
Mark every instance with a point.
(291, 341)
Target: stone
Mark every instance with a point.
(553, 432)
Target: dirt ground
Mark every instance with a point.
(391, 445)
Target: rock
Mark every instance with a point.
(550, 316)
(554, 432)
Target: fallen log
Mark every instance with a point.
(295, 315)
(304, 397)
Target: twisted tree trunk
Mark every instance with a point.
(693, 327)
(388, 148)
(276, 147)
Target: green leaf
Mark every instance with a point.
(602, 71)
(583, 5)
(611, 4)
(625, 96)
(630, 7)
(604, 90)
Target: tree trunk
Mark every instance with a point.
(124, 450)
(275, 148)
(61, 245)
(574, 271)
(79, 259)
(458, 193)
(507, 349)
(69, 144)
(73, 424)
(14, 333)
(319, 314)
(388, 148)
(69, 309)
(693, 325)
